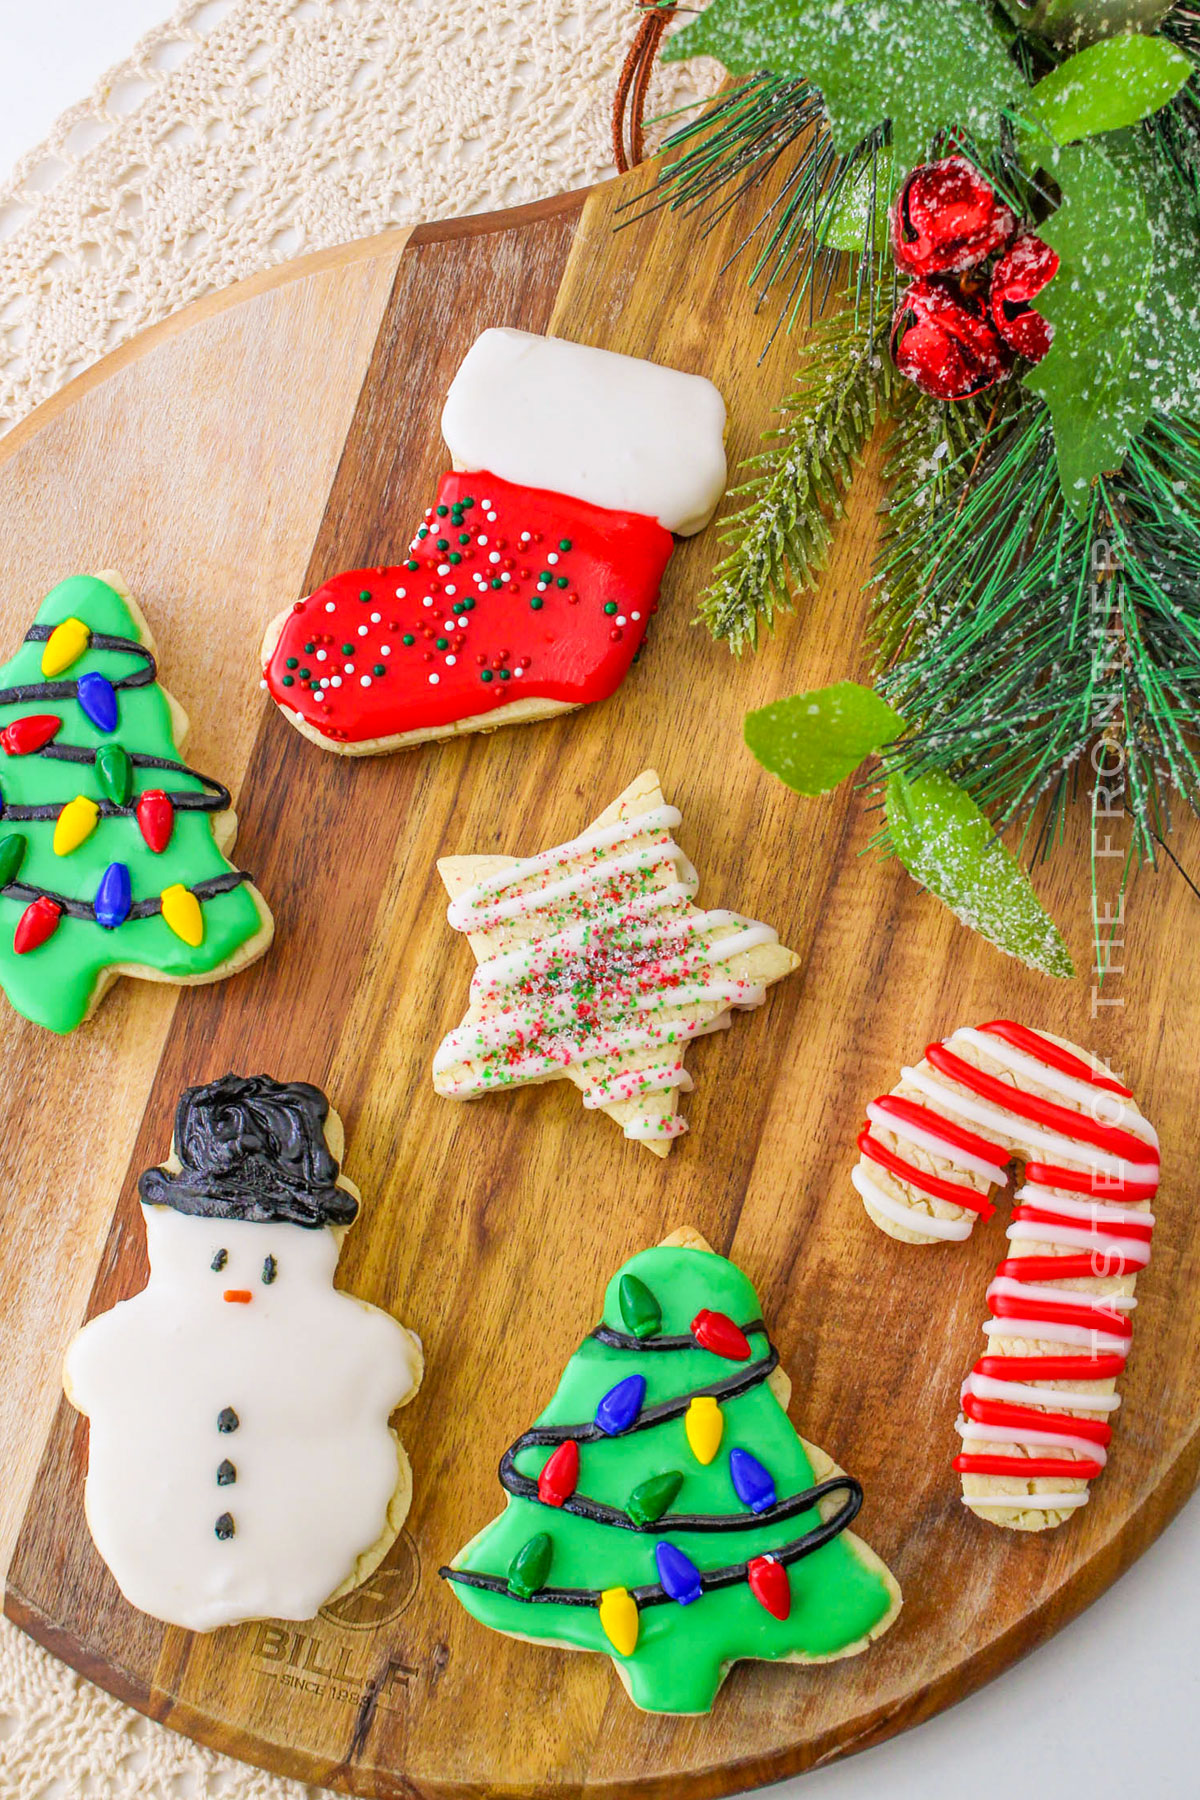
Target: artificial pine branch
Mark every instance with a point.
(778, 540)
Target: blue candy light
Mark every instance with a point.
(751, 1482)
(678, 1573)
(98, 698)
(114, 896)
(621, 1405)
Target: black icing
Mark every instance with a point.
(227, 1419)
(226, 1474)
(253, 1149)
(225, 1527)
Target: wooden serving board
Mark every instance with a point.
(227, 463)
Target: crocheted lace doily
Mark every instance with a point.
(240, 134)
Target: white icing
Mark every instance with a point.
(1024, 1393)
(1095, 1210)
(1098, 1103)
(613, 430)
(1037, 1293)
(671, 1127)
(630, 1084)
(1026, 1437)
(312, 1375)
(1071, 1237)
(953, 1230)
(1045, 1330)
(927, 1139)
(1030, 1502)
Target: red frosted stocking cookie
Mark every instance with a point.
(530, 581)
(1035, 1409)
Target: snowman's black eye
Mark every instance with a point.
(270, 1270)
(219, 1261)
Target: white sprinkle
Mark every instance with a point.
(364, 681)
(349, 668)
(329, 607)
(433, 680)
(448, 624)
(335, 681)
(450, 588)
(322, 655)
(504, 575)
(362, 631)
(428, 600)
(376, 618)
(443, 568)
(464, 622)
(552, 557)
(450, 661)
(486, 505)
(493, 556)
(517, 672)
(401, 593)
(621, 619)
(491, 517)
(524, 537)
(635, 617)
(263, 682)
(385, 649)
(481, 539)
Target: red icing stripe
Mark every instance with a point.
(928, 1120)
(1021, 1038)
(568, 607)
(1083, 1469)
(1003, 1412)
(1042, 1112)
(1080, 1181)
(1069, 1268)
(1050, 1368)
(929, 1184)
(1044, 1215)
(1054, 1312)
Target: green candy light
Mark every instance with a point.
(650, 1499)
(529, 1568)
(12, 855)
(639, 1309)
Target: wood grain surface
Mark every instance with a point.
(228, 464)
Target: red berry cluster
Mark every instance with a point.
(956, 330)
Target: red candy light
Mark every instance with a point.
(25, 736)
(560, 1477)
(717, 1332)
(156, 818)
(768, 1582)
(39, 921)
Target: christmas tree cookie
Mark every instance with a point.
(663, 1511)
(530, 582)
(241, 1463)
(595, 967)
(112, 851)
(934, 1151)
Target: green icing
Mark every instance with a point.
(682, 1652)
(53, 984)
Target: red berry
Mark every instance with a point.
(1018, 278)
(947, 218)
(943, 340)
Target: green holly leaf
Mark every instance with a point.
(948, 845)
(1125, 306)
(1107, 86)
(928, 66)
(813, 740)
(850, 225)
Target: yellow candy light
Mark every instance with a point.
(705, 1427)
(65, 645)
(619, 1617)
(75, 822)
(181, 910)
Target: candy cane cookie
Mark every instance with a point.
(1035, 1421)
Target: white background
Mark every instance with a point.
(1110, 1709)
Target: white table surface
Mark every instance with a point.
(1110, 1709)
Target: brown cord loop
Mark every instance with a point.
(629, 101)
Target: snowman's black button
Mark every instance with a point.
(225, 1527)
(226, 1474)
(227, 1419)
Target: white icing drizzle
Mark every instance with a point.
(1098, 1212)
(1024, 1393)
(1037, 1293)
(1057, 1502)
(1098, 1103)
(926, 1139)
(629, 1084)
(1070, 1237)
(1051, 1332)
(1027, 1438)
(953, 1230)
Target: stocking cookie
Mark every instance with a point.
(595, 967)
(1035, 1409)
(529, 584)
(112, 851)
(663, 1510)
(241, 1463)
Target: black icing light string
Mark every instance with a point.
(75, 819)
(620, 1413)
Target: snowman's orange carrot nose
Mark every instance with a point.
(240, 1296)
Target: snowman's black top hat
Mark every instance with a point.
(253, 1149)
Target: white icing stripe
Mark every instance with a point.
(673, 1127)
(1038, 1293)
(927, 1139)
(1024, 1436)
(631, 1084)
(981, 1112)
(1047, 1331)
(1023, 1393)
(1074, 1237)
(1099, 1103)
(1098, 1211)
(1029, 1502)
(462, 912)
(954, 1230)
(514, 965)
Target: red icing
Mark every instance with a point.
(1045, 1215)
(560, 638)
(1050, 1368)
(1044, 1050)
(953, 1191)
(1043, 1112)
(1056, 1312)
(26, 736)
(768, 1582)
(156, 819)
(717, 1332)
(1003, 1412)
(937, 1126)
(1080, 1181)
(39, 921)
(560, 1476)
(1081, 1469)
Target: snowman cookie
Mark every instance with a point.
(529, 583)
(241, 1462)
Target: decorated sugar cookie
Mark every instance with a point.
(1036, 1408)
(663, 1510)
(112, 851)
(531, 580)
(241, 1463)
(596, 967)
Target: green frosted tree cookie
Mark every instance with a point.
(663, 1509)
(111, 848)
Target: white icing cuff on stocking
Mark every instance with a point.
(613, 430)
